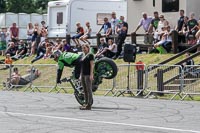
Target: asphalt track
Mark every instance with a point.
(59, 113)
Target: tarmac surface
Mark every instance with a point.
(22, 112)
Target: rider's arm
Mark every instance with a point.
(59, 71)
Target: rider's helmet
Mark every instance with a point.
(56, 54)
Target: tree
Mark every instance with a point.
(2, 6)
(24, 6)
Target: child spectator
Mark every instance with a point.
(79, 33)
(8, 61)
(87, 33)
(66, 47)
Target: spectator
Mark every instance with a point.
(35, 38)
(8, 61)
(3, 36)
(87, 66)
(122, 30)
(101, 47)
(66, 47)
(43, 23)
(110, 51)
(30, 31)
(41, 51)
(107, 29)
(179, 27)
(15, 77)
(198, 35)
(114, 22)
(165, 44)
(162, 23)
(87, 33)
(12, 49)
(154, 23)
(79, 33)
(58, 45)
(191, 29)
(21, 50)
(145, 23)
(14, 32)
(43, 34)
(49, 48)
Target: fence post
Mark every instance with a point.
(98, 39)
(68, 37)
(160, 85)
(133, 38)
(140, 82)
(174, 41)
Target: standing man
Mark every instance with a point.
(114, 22)
(181, 36)
(145, 22)
(154, 22)
(122, 29)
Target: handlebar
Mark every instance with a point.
(65, 79)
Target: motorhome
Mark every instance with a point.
(169, 8)
(63, 15)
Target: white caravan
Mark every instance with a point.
(169, 8)
(63, 15)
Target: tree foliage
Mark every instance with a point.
(24, 6)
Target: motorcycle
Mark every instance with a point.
(104, 68)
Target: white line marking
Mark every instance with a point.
(101, 122)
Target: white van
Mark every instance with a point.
(63, 15)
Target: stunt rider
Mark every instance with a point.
(67, 59)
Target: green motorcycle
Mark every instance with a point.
(104, 68)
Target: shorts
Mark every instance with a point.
(77, 36)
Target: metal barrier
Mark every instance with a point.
(129, 80)
(164, 79)
(5, 73)
(191, 80)
(11, 82)
(47, 76)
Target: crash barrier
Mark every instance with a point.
(30, 77)
(132, 79)
(191, 81)
(164, 79)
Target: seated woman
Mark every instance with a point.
(164, 45)
(109, 51)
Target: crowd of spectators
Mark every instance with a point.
(157, 32)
